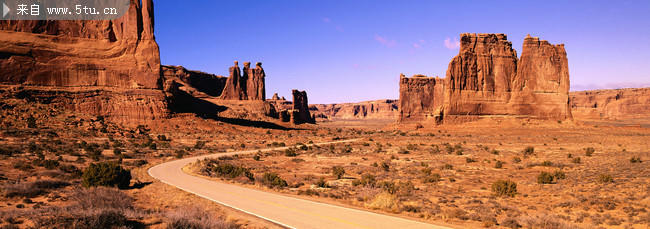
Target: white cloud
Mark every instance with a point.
(452, 44)
(326, 20)
(417, 46)
(385, 41)
(422, 41)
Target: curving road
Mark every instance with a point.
(283, 210)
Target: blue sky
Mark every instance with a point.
(352, 51)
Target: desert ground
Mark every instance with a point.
(567, 174)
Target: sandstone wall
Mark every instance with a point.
(612, 104)
(378, 109)
(107, 62)
(487, 79)
(300, 112)
(426, 96)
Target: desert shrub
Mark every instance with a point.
(576, 160)
(635, 160)
(388, 186)
(434, 149)
(257, 156)
(545, 178)
(529, 151)
(180, 153)
(504, 188)
(195, 218)
(605, 178)
(510, 223)
(31, 189)
(102, 197)
(321, 183)
(308, 192)
(469, 160)
(411, 208)
(431, 178)
(544, 220)
(516, 159)
(499, 164)
(9, 151)
(338, 171)
(447, 166)
(199, 144)
(290, 152)
(106, 174)
(385, 166)
(31, 122)
(495, 152)
(385, 201)
(367, 180)
(226, 170)
(22, 165)
(117, 151)
(559, 175)
(411, 147)
(50, 164)
(589, 151)
(272, 179)
(403, 151)
(547, 163)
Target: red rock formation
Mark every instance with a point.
(425, 97)
(541, 87)
(611, 104)
(207, 83)
(487, 79)
(480, 77)
(117, 53)
(234, 89)
(255, 87)
(301, 108)
(378, 109)
(100, 59)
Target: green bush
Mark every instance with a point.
(338, 171)
(226, 170)
(547, 163)
(274, 180)
(589, 151)
(321, 183)
(545, 178)
(106, 174)
(635, 160)
(504, 188)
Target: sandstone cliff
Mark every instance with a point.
(426, 95)
(89, 61)
(378, 109)
(207, 83)
(611, 104)
(486, 79)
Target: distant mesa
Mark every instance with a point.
(486, 79)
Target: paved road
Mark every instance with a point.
(286, 211)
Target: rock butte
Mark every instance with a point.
(112, 68)
(486, 79)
